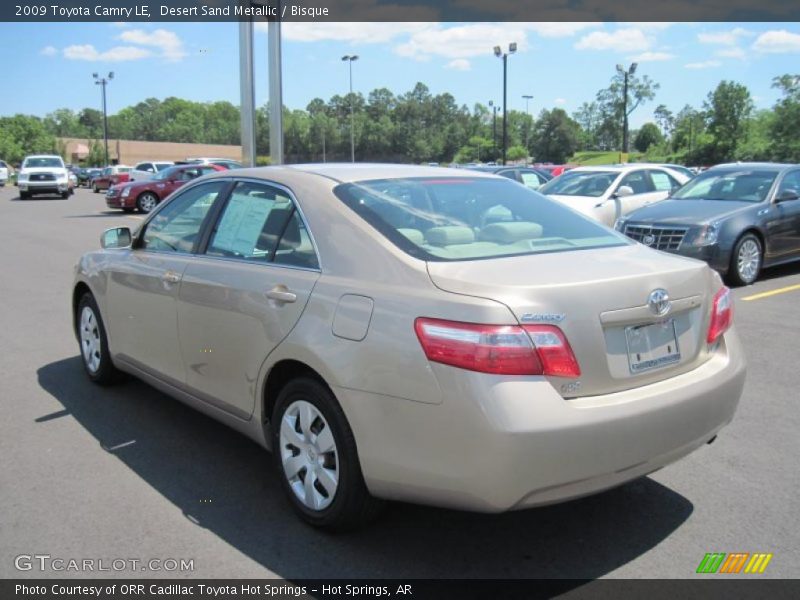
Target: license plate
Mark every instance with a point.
(652, 346)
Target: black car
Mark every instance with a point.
(737, 217)
(527, 176)
(85, 176)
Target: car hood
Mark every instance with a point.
(593, 295)
(583, 204)
(688, 211)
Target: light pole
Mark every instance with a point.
(625, 74)
(498, 52)
(103, 82)
(528, 98)
(494, 129)
(350, 58)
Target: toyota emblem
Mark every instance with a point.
(659, 302)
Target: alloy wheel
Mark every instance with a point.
(309, 455)
(147, 202)
(91, 344)
(748, 260)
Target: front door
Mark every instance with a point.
(243, 295)
(143, 291)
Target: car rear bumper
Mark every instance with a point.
(496, 443)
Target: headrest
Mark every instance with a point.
(415, 235)
(508, 233)
(447, 236)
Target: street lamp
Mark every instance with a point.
(625, 74)
(527, 98)
(103, 81)
(494, 129)
(350, 58)
(498, 52)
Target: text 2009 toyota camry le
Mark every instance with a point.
(412, 333)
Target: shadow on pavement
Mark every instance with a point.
(188, 457)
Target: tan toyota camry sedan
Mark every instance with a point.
(412, 333)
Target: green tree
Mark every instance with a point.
(555, 136)
(728, 108)
(648, 135)
(785, 127)
(613, 107)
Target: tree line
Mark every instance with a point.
(420, 127)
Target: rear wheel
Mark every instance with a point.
(94, 343)
(746, 260)
(95, 189)
(146, 202)
(315, 453)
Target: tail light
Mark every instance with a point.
(721, 315)
(498, 349)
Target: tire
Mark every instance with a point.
(65, 195)
(24, 195)
(95, 189)
(93, 343)
(146, 202)
(747, 259)
(339, 499)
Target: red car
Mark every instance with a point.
(145, 195)
(109, 177)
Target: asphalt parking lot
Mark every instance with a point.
(127, 472)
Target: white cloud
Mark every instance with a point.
(706, 64)
(560, 101)
(353, 33)
(652, 57)
(459, 64)
(170, 45)
(777, 42)
(734, 52)
(725, 38)
(48, 51)
(116, 54)
(463, 41)
(620, 40)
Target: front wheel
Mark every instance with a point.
(746, 260)
(146, 202)
(65, 195)
(94, 343)
(24, 195)
(316, 456)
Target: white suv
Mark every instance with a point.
(43, 174)
(3, 173)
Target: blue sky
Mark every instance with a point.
(50, 65)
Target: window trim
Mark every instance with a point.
(202, 247)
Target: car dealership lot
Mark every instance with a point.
(127, 472)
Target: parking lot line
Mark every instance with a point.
(782, 290)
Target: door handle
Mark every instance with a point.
(280, 293)
(171, 277)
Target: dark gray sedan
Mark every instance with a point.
(737, 217)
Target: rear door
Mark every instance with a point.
(143, 290)
(784, 222)
(244, 294)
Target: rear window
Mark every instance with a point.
(466, 219)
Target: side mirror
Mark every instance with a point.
(118, 237)
(786, 195)
(623, 190)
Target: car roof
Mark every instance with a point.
(350, 172)
(43, 156)
(752, 165)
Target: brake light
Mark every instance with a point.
(498, 349)
(721, 315)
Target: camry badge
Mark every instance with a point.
(543, 317)
(659, 302)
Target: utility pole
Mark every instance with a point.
(350, 58)
(498, 52)
(494, 129)
(625, 73)
(103, 82)
(527, 97)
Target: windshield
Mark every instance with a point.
(465, 219)
(580, 183)
(45, 162)
(747, 185)
(162, 166)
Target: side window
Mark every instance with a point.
(790, 182)
(176, 226)
(638, 182)
(260, 223)
(207, 170)
(510, 174)
(662, 182)
(532, 179)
